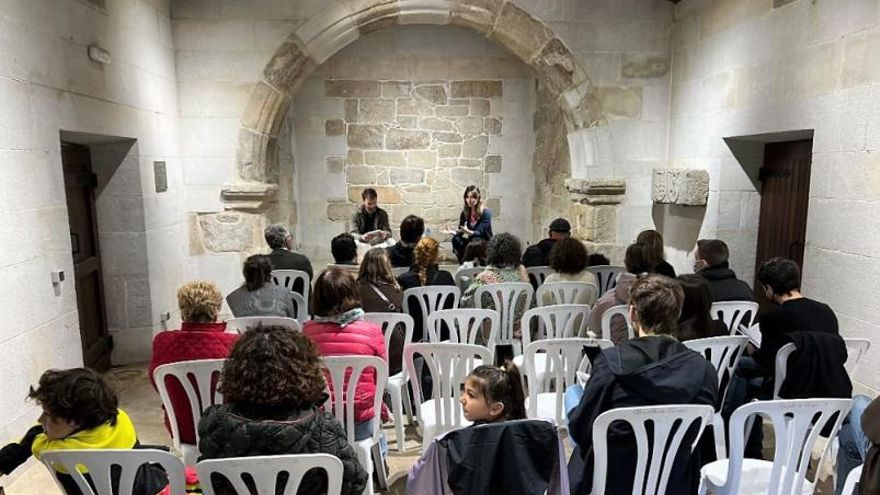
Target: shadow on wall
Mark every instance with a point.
(680, 225)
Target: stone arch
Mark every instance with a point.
(344, 21)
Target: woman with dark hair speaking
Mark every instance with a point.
(258, 296)
(475, 222)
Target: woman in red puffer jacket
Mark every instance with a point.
(338, 329)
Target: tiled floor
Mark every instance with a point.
(142, 403)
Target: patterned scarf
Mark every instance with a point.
(342, 319)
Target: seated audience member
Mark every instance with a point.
(259, 296)
(653, 241)
(344, 250)
(652, 369)
(710, 262)
(370, 223)
(492, 394)
(423, 273)
(273, 390)
(474, 254)
(200, 337)
(539, 254)
(80, 412)
(598, 259)
(380, 293)
(568, 259)
(282, 256)
(636, 262)
(338, 328)
(475, 222)
(411, 230)
(696, 320)
(859, 438)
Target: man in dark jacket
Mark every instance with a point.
(536, 254)
(282, 256)
(411, 230)
(370, 223)
(654, 369)
(710, 261)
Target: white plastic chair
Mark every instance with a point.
(465, 326)
(551, 322)
(241, 324)
(465, 276)
(566, 293)
(99, 464)
(856, 349)
(448, 365)
(671, 423)
(560, 359)
(264, 471)
(781, 367)
(734, 313)
(850, 486)
(397, 384)
(506, 299)
(431, 298)
(200, 396)
(620, 310)
(724, 354)
(606, 276)
(537, 274)
(797, 424)
(343, 375)
(287, 279)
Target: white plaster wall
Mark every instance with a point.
(413, 53)
(743, 67)
(47, 84)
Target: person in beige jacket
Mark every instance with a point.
(636, 262)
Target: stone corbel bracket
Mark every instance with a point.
(685, 187)
(596, 191)
(593, 209)
(248, 196)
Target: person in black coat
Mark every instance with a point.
(282, 256)
(279, 413)
(424, 272)
(411, 230)
(538, 254)
(710, 262)
(654, 242)
(475, 222)
(653, 369)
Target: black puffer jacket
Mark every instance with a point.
(229, 430)
(724, 284)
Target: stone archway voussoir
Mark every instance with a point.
(479, 15)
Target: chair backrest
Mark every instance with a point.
(566, 293)
(618, 311)
(343, 375)
(263, 472)
(734, 313)
(287, 279)
(606, 276)
(850, 486)
(465, 276)
(782, 356)
(723, 353)
(537, 274)
(431, 298)
(448, 365)
(670, 425)
(241, 324)
(555, 322)
(565, 357)
(465, 326)
(390, 321)
(855, 351)
(797, 423)
(506, 299)
(99, 465)
(198, 379)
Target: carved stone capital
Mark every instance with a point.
(596, 191)
(687, 187)
(248, 196)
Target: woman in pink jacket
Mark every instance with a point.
(338, 329)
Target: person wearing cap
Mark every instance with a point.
(538, 254)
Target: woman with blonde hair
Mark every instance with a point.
(424, 272)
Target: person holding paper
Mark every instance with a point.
(370, 223)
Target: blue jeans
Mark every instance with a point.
(854, 444)
(571, 399)
(364, 430)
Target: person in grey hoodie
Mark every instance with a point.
(636, 262)
(653, 369)
(258, 296)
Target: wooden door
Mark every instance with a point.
(785, 194)
(79, 186)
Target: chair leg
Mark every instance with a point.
(379, 467)
(397, 410)
(407, 403)
(703, 486)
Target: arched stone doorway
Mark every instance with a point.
(505, 23)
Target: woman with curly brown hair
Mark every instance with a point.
(569, 261)
(273, 387)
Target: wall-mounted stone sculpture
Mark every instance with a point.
(687, 187)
